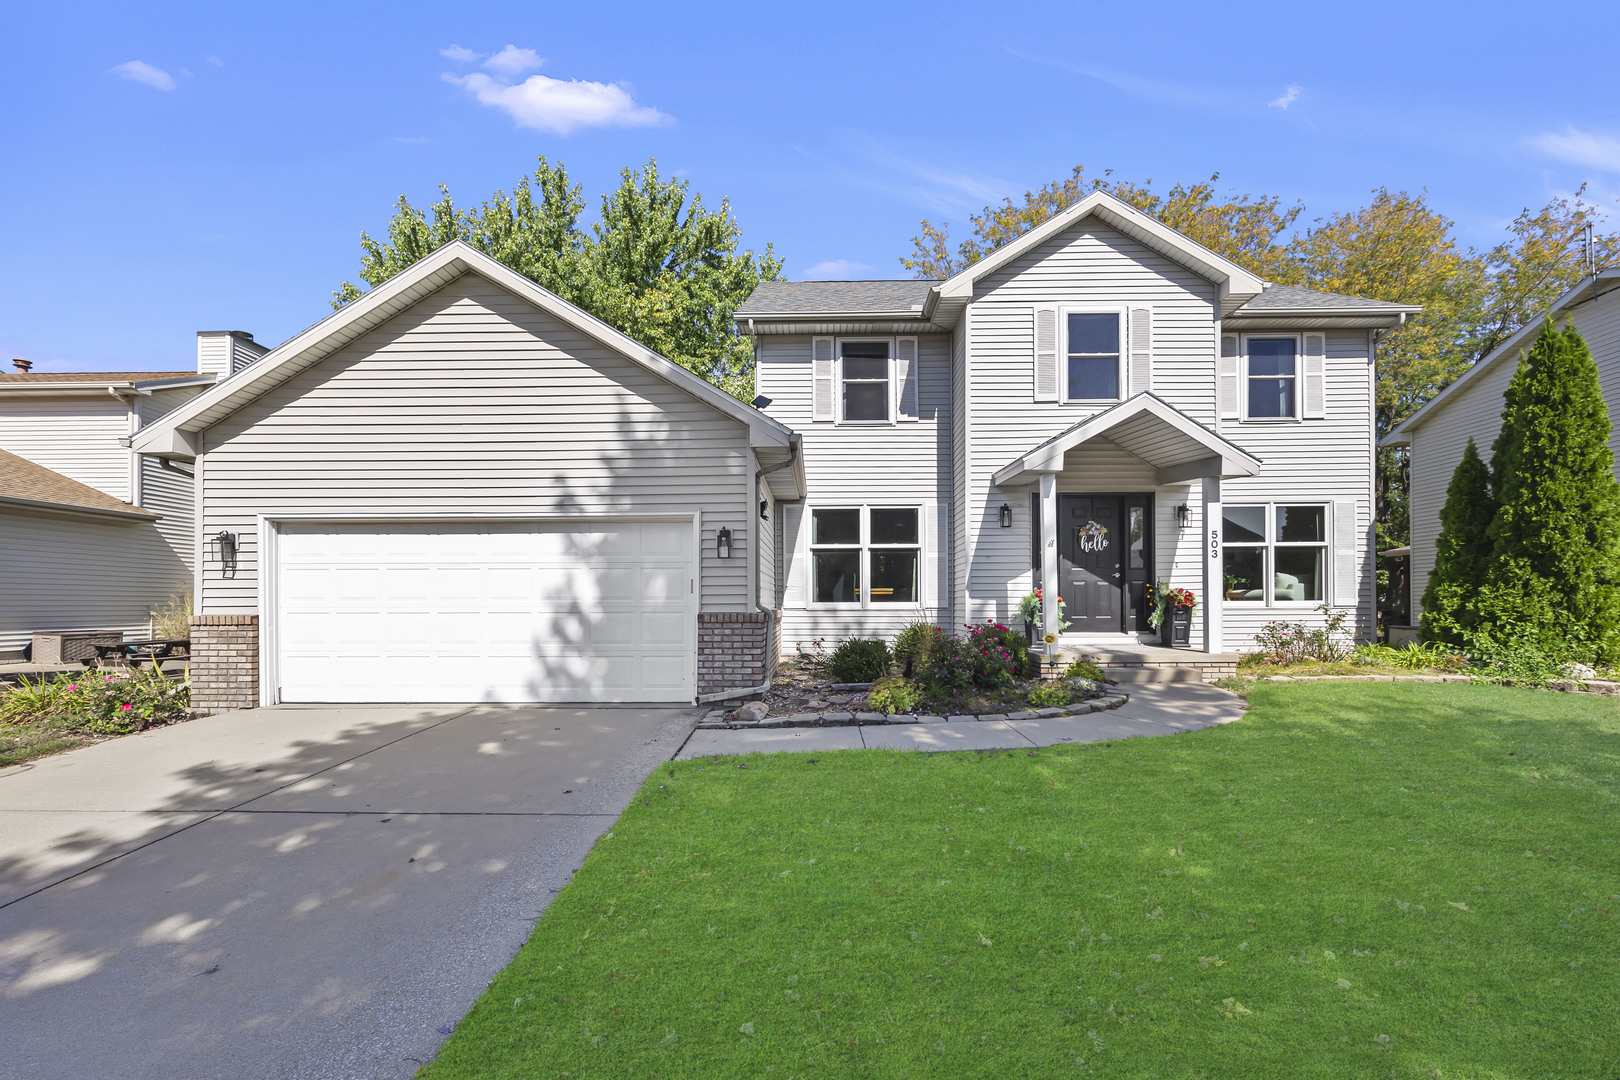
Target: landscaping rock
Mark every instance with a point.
(869, 718)
(803, 719)
(961, 718)
(930, 719)
(837, 718)
(840, 699)
(1021, 716)
(750, 712)
(1579, 672)
(991, 716)
(1051, 712)
(901, 718)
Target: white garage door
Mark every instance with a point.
(509, 611)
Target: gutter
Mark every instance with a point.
(730, 695)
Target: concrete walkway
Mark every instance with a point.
(293, 892)
(1154, 709)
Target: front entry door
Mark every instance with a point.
(1091, 550)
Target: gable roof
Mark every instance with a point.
(1584, 291)
(899, 298)
(23, 483)
(173, 435)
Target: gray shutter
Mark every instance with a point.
(1046, 354)
(905, 377)
(1229, 377)
(794, 552)
(823, 400)
(1346, 556)
(933, 559)
(1314, 398)
(1140, 343)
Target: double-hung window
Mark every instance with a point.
(1092, 349)
(1273, 378)
(865, 555)
(865, 377)
(1275, 553)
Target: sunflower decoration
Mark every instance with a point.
(1050, 639)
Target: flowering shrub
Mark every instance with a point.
(947, 669)
(1000, 654)
(99, 702)
(1298, 642)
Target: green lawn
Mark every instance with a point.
(1356, 880)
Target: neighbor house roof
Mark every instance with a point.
(123, 377)
(1587, 289)
(1289, 298)
(173, 435)
(125, 383)
(23, 483)
(898, 298)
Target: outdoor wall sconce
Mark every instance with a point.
(722, 544)
(1006, 516)
(227, 554)
(1183, 516)
(764, 510)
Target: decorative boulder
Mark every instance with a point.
(1579, 671)
(751, 713)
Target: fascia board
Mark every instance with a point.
(46, 506)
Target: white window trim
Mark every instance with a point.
(838, 385)
(1299, 381)
(1270, 545)
(1121, 376)
(865, 548)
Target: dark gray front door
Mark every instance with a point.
(1091, 549)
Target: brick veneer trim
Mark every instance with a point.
(736, 649)
(224, 662)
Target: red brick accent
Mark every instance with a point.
(736, 649)
(224, 662)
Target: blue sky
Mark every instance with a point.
(173, 168)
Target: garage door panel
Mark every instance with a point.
(504, 611)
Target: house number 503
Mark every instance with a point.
(1215, 543)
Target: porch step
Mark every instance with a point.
(1153, 674)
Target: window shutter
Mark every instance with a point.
(821, 379)
(1229, 377)
(933, 559)
(1346, 555)
(1140, 341)
(905, 377)
(794, 523)
(1315, 395)
(1046, 354)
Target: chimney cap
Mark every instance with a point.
(23, 366)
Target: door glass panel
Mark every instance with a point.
(1299, 574)
(1244, 524)
(836, 527)
(894, 576)
(1301, 524)
(894, 526)
(1245, 569)
(1138, 540)
(838, 577)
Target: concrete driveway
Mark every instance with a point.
(296, 891)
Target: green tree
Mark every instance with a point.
(1554, 579)
(658, 266)
(1462, 554)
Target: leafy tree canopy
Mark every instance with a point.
(657, 265)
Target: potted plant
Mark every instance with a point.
(1172, 614)
(1029, 609)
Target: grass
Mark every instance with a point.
(1356, 880)
(25, 742)
(49, 714)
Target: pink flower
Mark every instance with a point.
(73, 686)
(125, 708)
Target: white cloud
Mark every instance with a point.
(144, 73)
(560, 106)
(1580, 148)
(512, 61)
(216, 61)
(835, 270)
(456, 52)
(1290, 95)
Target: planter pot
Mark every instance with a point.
(1029, 631)
(1176, 630)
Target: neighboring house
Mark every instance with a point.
(93, 536)
(1097, 406)
(1471, 408)
(460, 487)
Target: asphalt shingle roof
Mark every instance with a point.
(92, 376)
(22, 479)
(820, 297)
(1286, 298)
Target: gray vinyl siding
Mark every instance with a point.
(72, 572)
(765, 589)
(76, 436)
(1087, 265)
(1324, 460)
(902, 464)
(166, 491)
(960, 445)
(1475, 410)
(475, 403)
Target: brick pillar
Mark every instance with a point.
(736, 649)
(224, 662)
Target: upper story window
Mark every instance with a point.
(865, 380)
(1272, 378)
(1092, 348)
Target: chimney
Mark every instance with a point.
(23, 366)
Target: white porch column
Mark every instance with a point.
(1049, 554)
(1214, 579)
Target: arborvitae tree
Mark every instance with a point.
(1554, 579)
(1462, 554)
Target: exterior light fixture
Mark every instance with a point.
(764, 510)
(227, 553)
(722, 544)
(1183, 516)
(760, 402)
(1006, 516)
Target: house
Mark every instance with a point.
(1095, 407)
(93, 536)
(462, 488)
(1471, 408)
